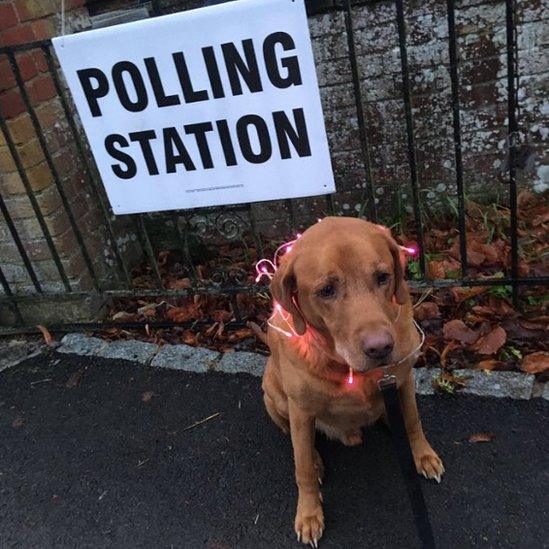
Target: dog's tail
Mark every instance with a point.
(258, 332)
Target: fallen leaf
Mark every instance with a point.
(182, 314)
(16, 423)
(148, 310)
(180, 284)
(463, 294)
(535, 363)
(488, 364)
(492, 342)
(444, 355)
(435, 269)
(46, 333)
(482, 437)
(146, 396)
(123, 315)
(457, 330)
(425, 310)
(74, 379)
(448, 382)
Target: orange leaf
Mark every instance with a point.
(46, 333)
(179, 284)
(488, 364)
(535, 363)
(16, 423)
(444, 355)
(427, 309)
(435, 269)
(181, 314)
(482, 437)
(457, 330)
(491, 342)
(463, 294)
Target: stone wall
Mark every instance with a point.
(480, 27)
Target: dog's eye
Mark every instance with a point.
(326, 292)
(382, 278)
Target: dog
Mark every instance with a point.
(342, 308)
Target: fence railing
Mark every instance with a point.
(237, 228)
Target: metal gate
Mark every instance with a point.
(231, 278)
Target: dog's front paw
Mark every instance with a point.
(429, 465)
(309, 520)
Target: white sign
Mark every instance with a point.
(213, 106)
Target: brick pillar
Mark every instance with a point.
(23, 21)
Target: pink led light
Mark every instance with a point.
(268, 268)
(412, 250)
(350, 378)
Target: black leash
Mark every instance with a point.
(388, 388)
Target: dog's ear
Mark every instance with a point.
(401, 286)
(284, 291)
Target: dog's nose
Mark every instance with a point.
(378, 345)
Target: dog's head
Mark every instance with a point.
(344, 278)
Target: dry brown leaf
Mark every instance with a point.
(457, 330)
(18, 422)
(179, 284)
(435, 269)
(46, 333)
(492, 342)
(535, 363)
(123, 315)
(444, 355)
(488, 364)
(482, 437)
(182, 314)
(427, 309)
(74, 379)
(146, 396)
(463, 294)
(147, 309)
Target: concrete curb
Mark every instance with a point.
(16, 350)
(482, 383)
(514, 385)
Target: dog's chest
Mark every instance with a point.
(357, 402)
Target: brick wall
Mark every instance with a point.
(22, 21)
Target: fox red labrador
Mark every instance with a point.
(342, 307)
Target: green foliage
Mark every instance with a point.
(503, 292)
(446, 386)
(414, 269)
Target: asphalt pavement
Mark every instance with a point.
(107, 453)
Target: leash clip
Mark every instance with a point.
(386, 381)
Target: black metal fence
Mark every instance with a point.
(187, 226)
